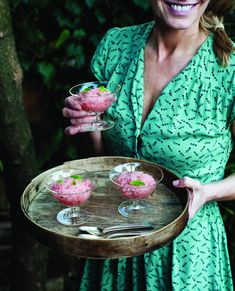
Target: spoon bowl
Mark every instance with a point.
(94, 230)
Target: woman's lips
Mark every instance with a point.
(179, 8)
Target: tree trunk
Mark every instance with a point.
(19, 161)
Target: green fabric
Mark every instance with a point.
(187, 131)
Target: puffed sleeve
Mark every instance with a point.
(99, 62)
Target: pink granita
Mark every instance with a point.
(136, 184)
(96, 100)
(72, 191)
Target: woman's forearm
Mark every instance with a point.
(221, 190)
(97, 143)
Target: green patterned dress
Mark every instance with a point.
(187, 131)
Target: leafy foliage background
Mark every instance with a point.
(55, 41)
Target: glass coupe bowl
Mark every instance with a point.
(136, 181)
(71, 187)
(96, 97)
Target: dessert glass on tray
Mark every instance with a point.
(71, 187)
(136, 181)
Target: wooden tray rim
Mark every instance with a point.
(36, 226)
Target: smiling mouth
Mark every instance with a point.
(180, 7)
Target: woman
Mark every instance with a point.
(176, 108)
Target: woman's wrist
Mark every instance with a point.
(97, 143)
(220, 190)
(210, 192)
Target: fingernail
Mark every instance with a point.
(176, 182)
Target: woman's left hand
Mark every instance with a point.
(197, 195)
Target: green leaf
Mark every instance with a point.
(137, 183)
(74, 7)
(79, 34)
(100, 16)
(75, 55)
(90, 3)
(64, 35)
(103, 89)
(60, 181)
(1, 166)
(77, 177)
(64, 22)
(47, 71)
(86, 90)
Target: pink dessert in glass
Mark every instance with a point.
(96, 99)
(72, 191)
(136, 184)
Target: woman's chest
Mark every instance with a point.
(185, 106)
(157, 76)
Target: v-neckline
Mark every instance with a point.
(165, 88)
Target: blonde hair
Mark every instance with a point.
(212, 20)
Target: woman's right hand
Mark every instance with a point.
(79, 118)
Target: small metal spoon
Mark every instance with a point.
(111, 236)
(99, 231)
(91, 230)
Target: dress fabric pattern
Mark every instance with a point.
(188, 132)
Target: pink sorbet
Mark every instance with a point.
(96, 100)
(136, 184)
(71, 192)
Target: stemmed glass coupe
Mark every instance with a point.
(72, 187)
(96, 97)
(136, 181)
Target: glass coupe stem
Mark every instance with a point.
(135, 208)
(74, 211)
(72, 216)
(98, 119)
(136, 205)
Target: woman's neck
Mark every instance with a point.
(167, 43)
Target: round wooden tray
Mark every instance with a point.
(40, 210)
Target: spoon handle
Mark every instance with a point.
(111, 236)
(128, 227)
(124, 234)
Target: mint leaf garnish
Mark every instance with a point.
(137, 183)
(103, 89)
(86, 89)
(76, 177)
(59, 181)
